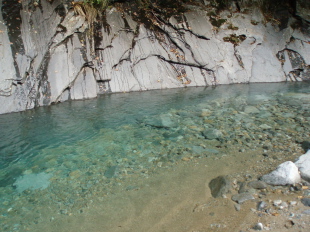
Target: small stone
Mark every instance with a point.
(258, 226)
(237, 207)
(251, 110)
(132, 188)
(305, 201)
(283, 205)
(289, 224)
(261, 205)
(212, 134)
(110, 172)
(277, 202)
(64, 211)
(5, 203)
(293, 203)
(160, 164)
(242, 197)
(265, 127)
(205, 112)
(306, 212)
(257, 184)
(200, 207)
(307, 193)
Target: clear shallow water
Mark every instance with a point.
(73, 151)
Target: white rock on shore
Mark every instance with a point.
(286, 173)
(303, 164)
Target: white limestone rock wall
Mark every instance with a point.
(49, 55)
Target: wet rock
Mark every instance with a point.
(242, 197)
(306, 212)
(261, 205)
(293, 203)
(283, 205)
(265, 127)
(303, 164)
(132, 188)
(251, 110)
(32, 181)
(213, 151)
(163, 121)
(200, 207)
(277, 202)
(307, 193)
(205, 112)
(212, 134)
(237, 207)
(198, 149)
(167, 121)
(305, 145)
(289, 224)
(245, 188)
(285, 174)
(258, 226)
(219, 186)
(257, 184)
(305, 201)
(110, 172)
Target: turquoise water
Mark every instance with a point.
(82, 147)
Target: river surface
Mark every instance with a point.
(60, 157)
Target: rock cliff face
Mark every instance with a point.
(48, 54)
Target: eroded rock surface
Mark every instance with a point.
(49, 54)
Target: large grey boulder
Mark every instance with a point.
(303, 164)
(285, 174)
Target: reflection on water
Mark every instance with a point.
(82, 146)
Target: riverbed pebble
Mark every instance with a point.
(242, 197)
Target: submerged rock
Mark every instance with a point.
(286, 173)
(251, 110)
(32, 181)
(219, 186)
(110, 172)
(242, 197)
(212, 133)
(163, 121)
